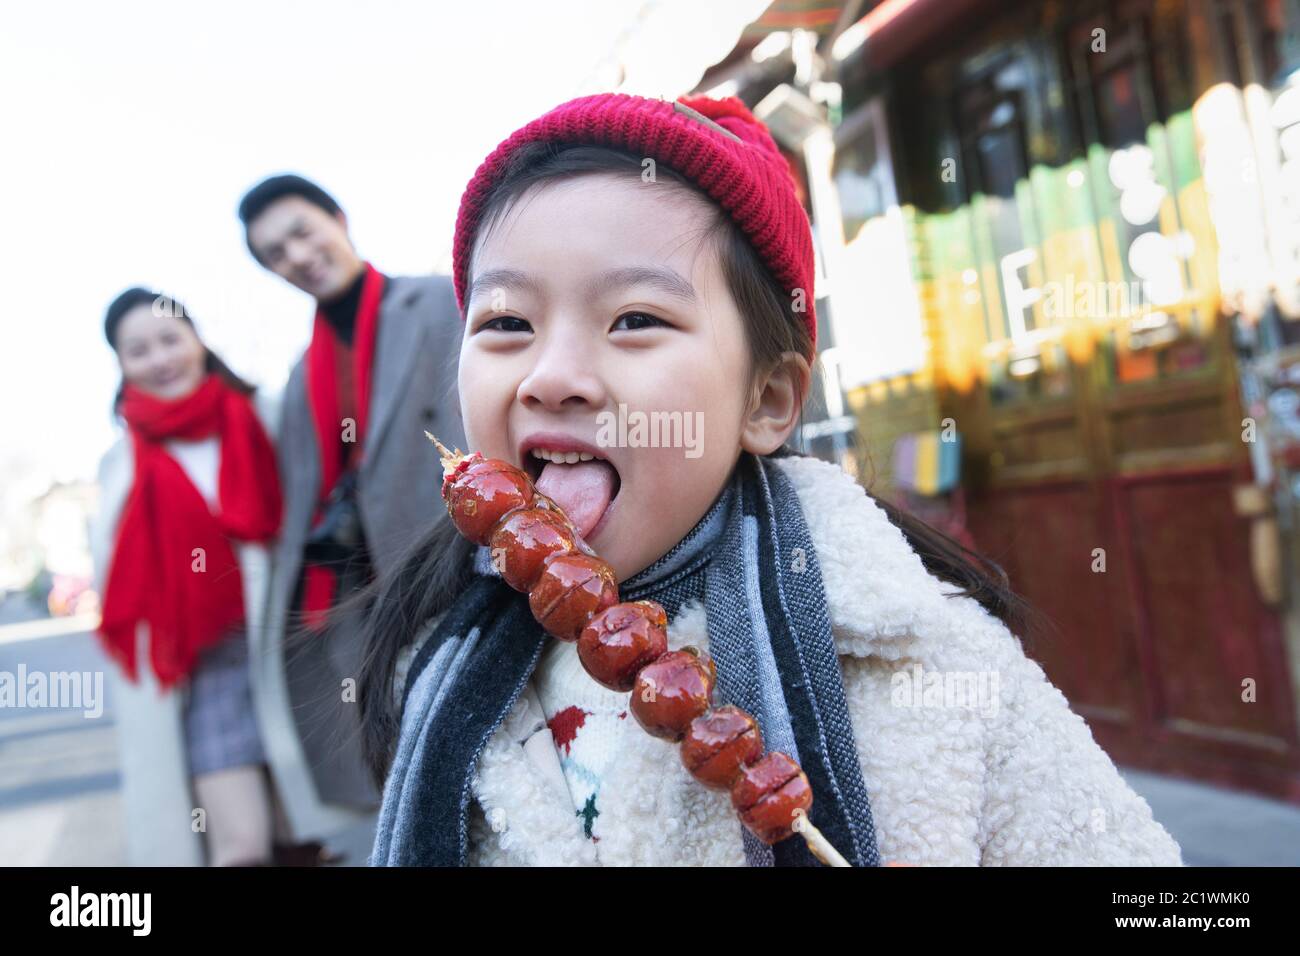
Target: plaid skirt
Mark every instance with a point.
(220, 726)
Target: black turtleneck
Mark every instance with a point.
(341, 313)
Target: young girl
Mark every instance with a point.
(623, 257)
(188, 500)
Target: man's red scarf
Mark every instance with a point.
(321, 582)
(173, 564)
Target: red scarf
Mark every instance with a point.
(321, 582)
(190, 598)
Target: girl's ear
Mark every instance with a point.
(778, 398)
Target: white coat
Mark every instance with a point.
(1018, 782)
(157, 797)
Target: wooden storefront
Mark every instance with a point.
(1058, 184)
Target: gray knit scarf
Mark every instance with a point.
(751, 561)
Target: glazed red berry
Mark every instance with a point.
(524, 540)
(621, 640)
(571, 588)
(671, 692)
(454, 465)
(720, 744)
(770, 795)
(484, 493)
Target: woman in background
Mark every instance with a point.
(189, 499)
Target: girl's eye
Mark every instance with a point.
(639, 320)
(506, 323)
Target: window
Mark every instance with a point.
(991, 130)
(1125, 94)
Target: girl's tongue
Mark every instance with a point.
(584, 490)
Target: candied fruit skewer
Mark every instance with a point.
(573, 595)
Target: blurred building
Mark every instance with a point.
(1060, 254)
(45, 550)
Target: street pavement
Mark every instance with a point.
(1220, 827)
(60, 802)
(60, 787)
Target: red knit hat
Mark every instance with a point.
(715, 143)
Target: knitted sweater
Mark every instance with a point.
(1017, 781)
(588, 723)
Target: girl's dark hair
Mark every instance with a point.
(165, 305)
(433, 573)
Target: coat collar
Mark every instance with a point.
(399, 343)
(880, 596)
(881, 601)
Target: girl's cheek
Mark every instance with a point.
(474, 397)
(482, 374)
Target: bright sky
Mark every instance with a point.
(131, 129)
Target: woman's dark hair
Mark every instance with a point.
(163, 305)
(433, 573)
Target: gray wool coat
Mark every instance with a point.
(413, 390)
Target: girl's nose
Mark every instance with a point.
(563, 375)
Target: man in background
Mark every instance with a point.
(360, 480)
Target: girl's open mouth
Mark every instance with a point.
(581, 483)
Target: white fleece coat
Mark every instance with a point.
(1016, 781)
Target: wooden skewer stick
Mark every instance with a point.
(449, 458)
(818, 844)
